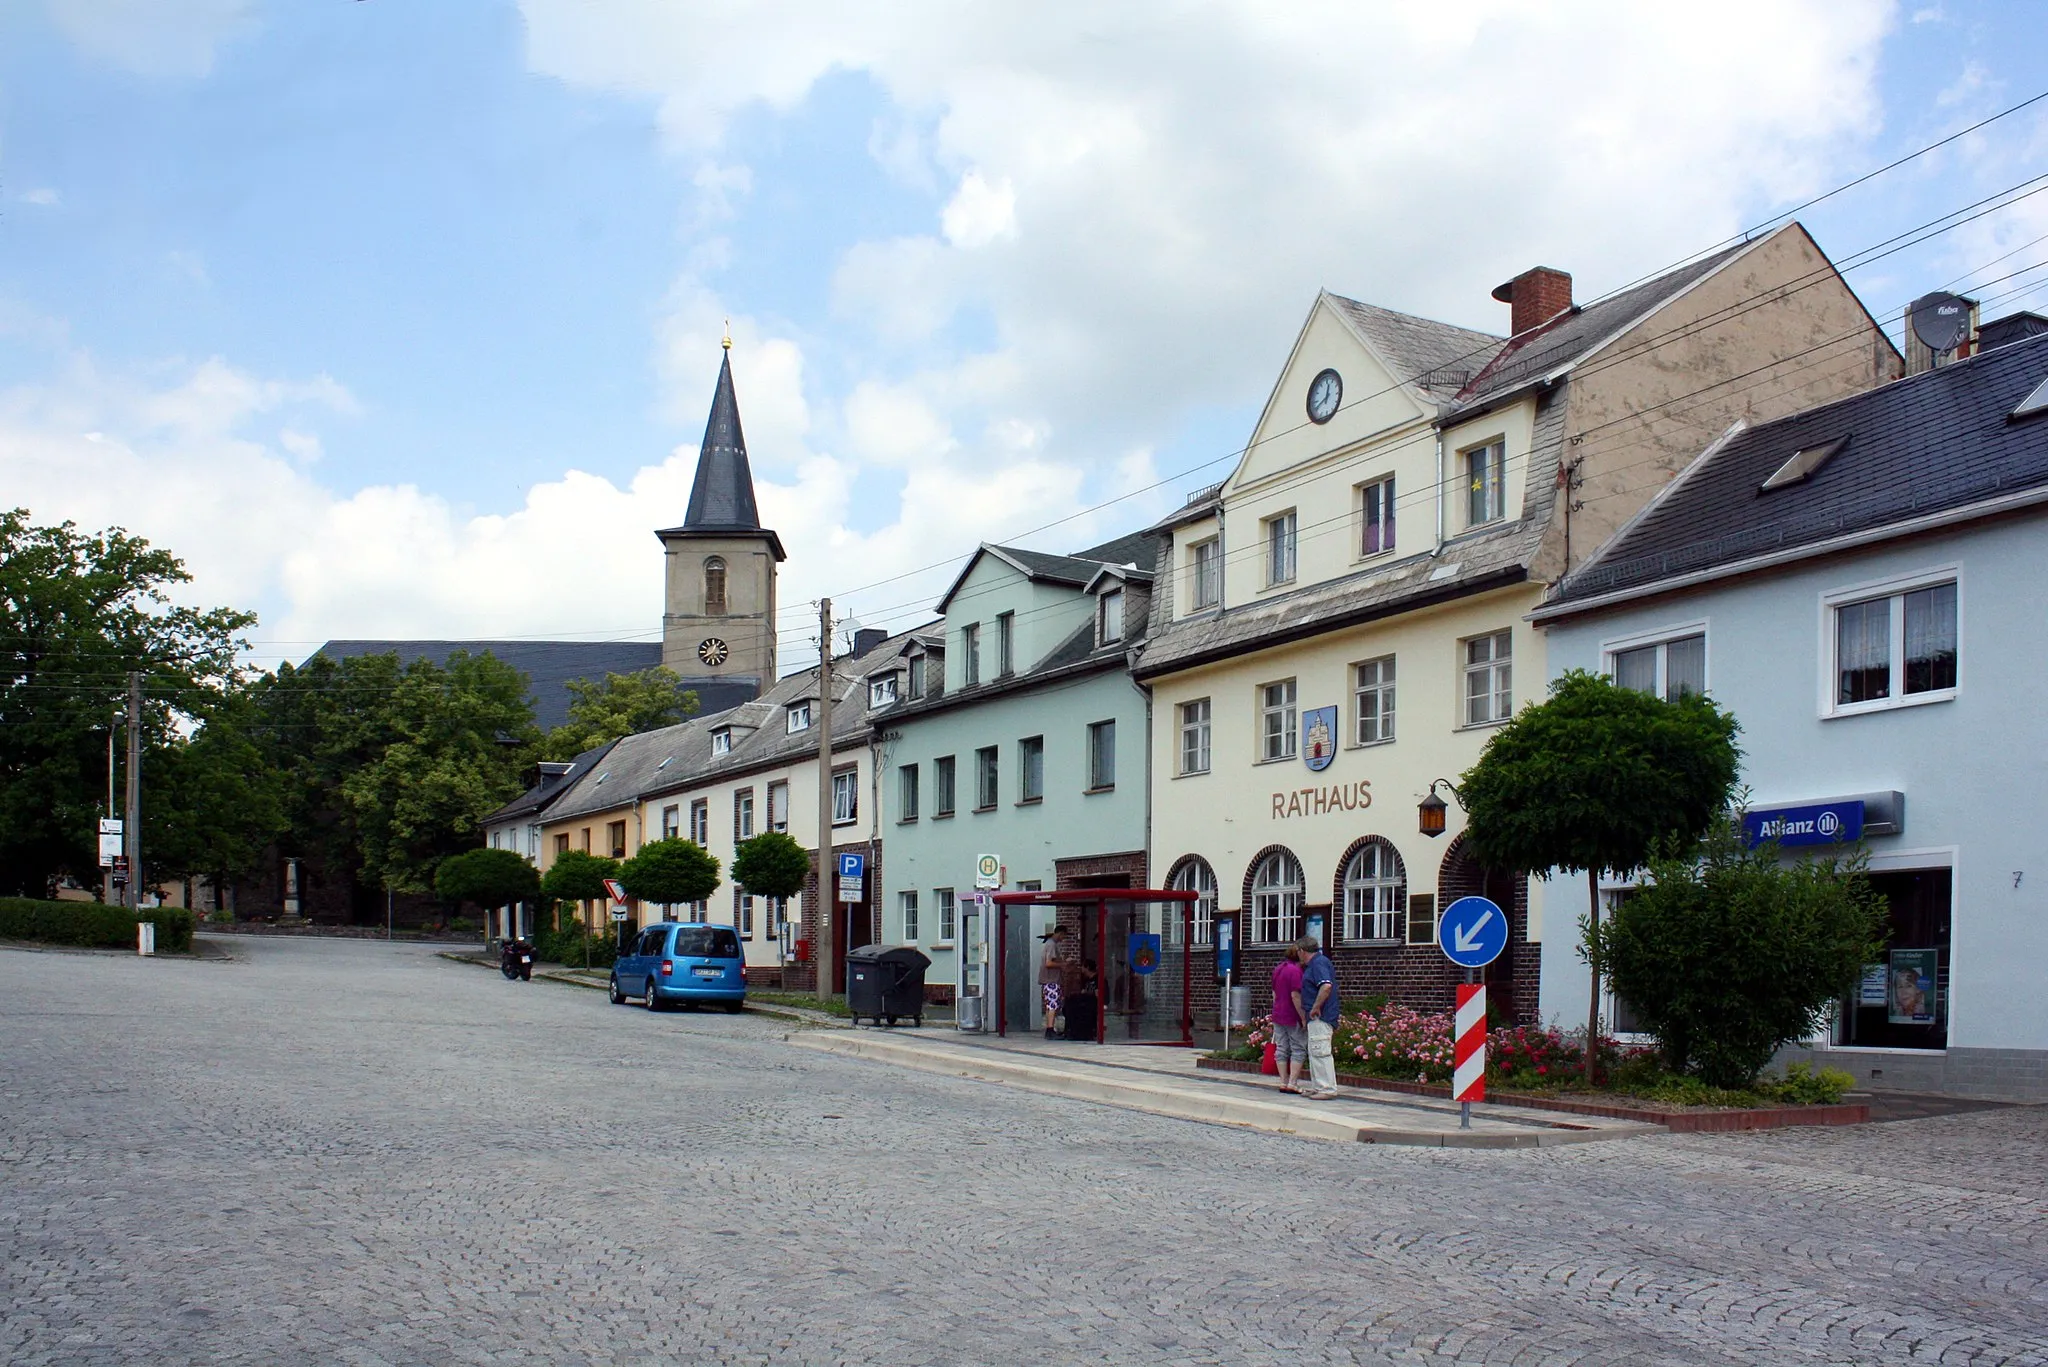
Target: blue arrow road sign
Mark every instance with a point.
(852, 865)
(1473, 932)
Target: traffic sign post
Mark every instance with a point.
(852, 872)
(1472, 934)
(988, 871)
(1468, 1051)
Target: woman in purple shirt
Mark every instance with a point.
(1290, 1038)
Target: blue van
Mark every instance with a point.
(678, 962)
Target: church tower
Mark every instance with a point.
(718, 626)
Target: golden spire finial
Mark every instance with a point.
(727, 343)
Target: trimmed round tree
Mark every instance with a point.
(771, 865)
(578, 876)
(488, 878)
(1730, 955)
(673, 870)
(1598, 777)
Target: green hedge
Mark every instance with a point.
(92, 924)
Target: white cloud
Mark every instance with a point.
(42, 196)
(979, 213)
(154, 37)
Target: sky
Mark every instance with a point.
(402, 320)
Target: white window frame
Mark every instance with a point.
(1376, 904)
(671, 821)
(1384, 486)
(1205, 574)
(970, 655)
(906, 905)
(1197, 877)
(778, 808)
(949, 916)
(700, 822)
(799, 716)
(1289, 735)
(845, 782)
(1382, 693)
(1006, 644)
(721, 741)
(1198, 732)
(1111, 617)
(1895, 588)
(743, 911)
(882, 691)
(1276, 905)
(1281, 534)
(918, 665)
(1661, 636)
(1498, 668)
(743, 815)
(1493, 481)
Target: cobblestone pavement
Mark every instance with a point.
(346, 1152)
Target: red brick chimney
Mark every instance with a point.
(1536, 296)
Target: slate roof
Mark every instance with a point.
(1043, 566)
(722, 492)
(548, 665)
(1570, 338)
(634, 764)
(1437, 358)
(1939, 442)
(543, 794)
(1139, 548)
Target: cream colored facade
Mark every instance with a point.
(1509, 461)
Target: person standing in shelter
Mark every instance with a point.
(1052, 972)
(1320, 1009)
(1290, 1038)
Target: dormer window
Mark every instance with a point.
(881, 690)
(721, 741)
(917, 667)
(799, 716)
(1112, 616)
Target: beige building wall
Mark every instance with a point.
(1242, 805)
(747, 626)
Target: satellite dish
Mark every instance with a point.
(1940, 320)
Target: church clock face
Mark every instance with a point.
(1325, 392)
(712, 651)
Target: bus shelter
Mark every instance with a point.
(1114, 928)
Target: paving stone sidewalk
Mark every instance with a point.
(360, 1153)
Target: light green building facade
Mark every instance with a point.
(1020, 734)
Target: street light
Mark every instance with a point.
(1430, 811)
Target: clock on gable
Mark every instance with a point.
(712, 651)
(1325, 393)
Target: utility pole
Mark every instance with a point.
(107, 878)
(132, 828)
(828, 882)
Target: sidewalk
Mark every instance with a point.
(1164, 1081)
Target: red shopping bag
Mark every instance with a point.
(1270, 1064)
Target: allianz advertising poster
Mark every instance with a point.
(1914, 975)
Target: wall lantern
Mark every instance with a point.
(1430, 811)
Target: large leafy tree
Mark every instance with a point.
(78, 611)
(1598, 777)
(1727, 956)
(623, 705)
(461, 734)
(216, 802)
(672, 870)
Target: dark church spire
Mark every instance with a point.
(722, 497)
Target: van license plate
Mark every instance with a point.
(710, 972)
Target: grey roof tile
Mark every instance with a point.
(1934, 443)
(549, 666)
(1437, 358)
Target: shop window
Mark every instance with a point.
(1901, 1001)
(1276, 899)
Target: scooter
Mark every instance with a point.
(515, 960)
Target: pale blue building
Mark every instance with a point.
(1862, 585)
(1020, 734)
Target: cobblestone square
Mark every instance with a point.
(361, 1153)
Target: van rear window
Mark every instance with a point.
(710, 942)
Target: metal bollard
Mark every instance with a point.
(145, 937)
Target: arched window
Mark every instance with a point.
(1193, 875)
(1375, 893)
(714, 587)
(1276, 899)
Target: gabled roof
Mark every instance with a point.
(1942, 444)
(1544, 351)
(1139, 549)
(1437, 359)
(722, 493)
(634, 764)
(555, 780)
(1041, 566)
(1121, 573)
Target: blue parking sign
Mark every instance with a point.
(852, 865)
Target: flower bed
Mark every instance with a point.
(1408, 1050)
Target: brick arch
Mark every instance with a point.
(1344, 862)
(1459, 875)
(1515, 975)
(1174, 869)
(1244, 896)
